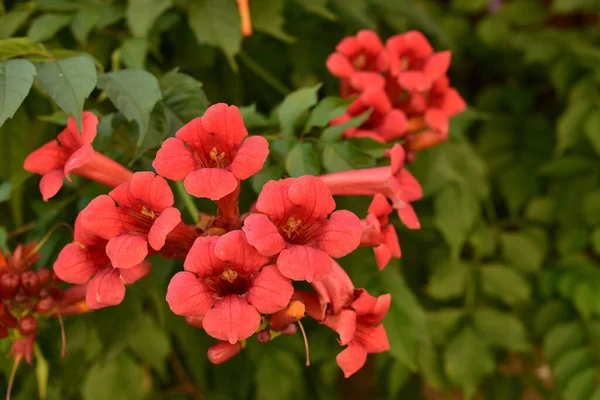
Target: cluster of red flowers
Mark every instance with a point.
(403, 82)
(239, 267)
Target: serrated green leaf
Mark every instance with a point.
(327, 109)
(47, 26)
(443, 323)
(344, 156)
(142, 14)
(591, 129)
(504, 283)
(334, 132)
(69, 82)
(267, 17)
(12, 21)
(294, 105)
(448, 280)
(20, 47)
(183, 97)
(561, 338)
(467, 360)
(16, 78)
(118, 377)
(302, 160)
(522, 251)
(217, 23)
(134, 93)
(501, 329)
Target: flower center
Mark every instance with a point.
(219, 159)
(360, 61)
(149, 213)
(230, 282)
(404, 63)
(296, 232)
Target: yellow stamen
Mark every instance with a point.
(148, 213)
(290, 226)
(229, 275)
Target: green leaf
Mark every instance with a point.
(472, 6)
(443, 323)
(277, 374)
(581, 386)
(20, 47)
(570, 124)
(570, 363)
(252, 118)
(183, 97)
(570, 6)
(344, 156)
(42, 370)
(259, 179)
(501, 329)
(302, 160)
(134, 93)
(327, 109)
(47, 26)
(505, 284)
(84, 23)
(467, 360)
(151, 345)
(522, 251)
(134, 51)
(115, 378)
(566, 166)
(12, 21)
(523, 12)
(334, 132)
(267, 17)
(5, 190)
(294, 105)
(217, 23)
(541, 209)
(448, 280)
(142, 14)
(596, 240)
(157, 131)
(69, 82)
(591, 207)
(318, 7)
(561, 338)
(16, 78)
(591, 129)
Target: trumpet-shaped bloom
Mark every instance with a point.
(394, 182)
(293, 221)
(72, 152)
(379, 233)
(210, 154)
(230, 284)
(84, 261)
(133, 216)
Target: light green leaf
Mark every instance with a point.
(318, 7)
(522, 251)
(69, 82)
(84, 23)
(42, 370)
(505, 284)
(570, 363)
(327, 109)
(541, 209)
(217, 23)
(467, 360)
(116, 378)
(344, 156)
(16, 78)
(334, 132)
(591, 207)
(443, 323)
(252, 118)
(12, 21)
(267, 17)
(562, 337)
(302, 160)
(47, 26)
(142, 14)
(448, 280)
(501, 329)
(294, 105)
(20, 47)
(570, 124)
(151, 344)
(133, 52)
(571, 6)
(591, 129)
(582, 385)
(134, 93)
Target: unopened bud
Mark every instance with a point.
(289, 330)
(263, 336)
(6, 318)
(44, 305)
(28, 325)
(294, 311)
(45, 275)
(3, 332)
(30, 282)
(195, 321)
(9, 283)
(224, 351)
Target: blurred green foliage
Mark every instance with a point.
(496, 297)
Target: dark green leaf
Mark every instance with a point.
(217, 23)
(318, 7)
(591, 207)
(570, 124)
(344, 156)
(570, 363)
(252, 118)
(134, 93)
(448, 280)
(570, 6)
(16, 78)
(133, 52)
(183, 97)
(501, 329)
(541, 209)
(142, 14)
(266, 174)
(327, 109)
(302, 160)
(119, 377)
(69, 82)
(334, 132)
(522, 251)
(151, 345)
(504, 283)
(276, 375)
(12, 21)
(561, 338)
(47, 26)
(267, 17)
(591, 129)
(84, 23)
(157, 131)
(294, 105)
(596, 240)
(443, 323)
(582, 385)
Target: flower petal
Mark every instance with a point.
(212, 183)
(173, 160)
(304, 263)
(188, 295)
(168, 219)
(225, 121)
(75, 264)
(80, 157)
(351, 359)
(250, 157)
(201, 259)
(270, 291)
(372, 338)
(453, 103)
(390, 238)
(105, 289)
(51, 183)
(380, 206)
(274, 199)
(89, 124)
(346, 325)
(340, 235)
(414, 81)
(135, 273)
(437, 64)
(382, 256)
(339, 65)
(336, 290)
(231, 319)
(152, 190)
(234, 248)
(46, 158)
(313, 195)
(126, 251)
(102, 218)
(263, 235)
(408, 216)
(364, 80)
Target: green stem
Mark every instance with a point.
(263, 73)
(189, 202)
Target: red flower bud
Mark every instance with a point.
(9, 283)
(28, 325)
(44, 274)
(224, 351)
(3, 332)
(263, 336)
(195, 321)
(289, 330)
(294, 311)
(6, 318)
(30, 282)
(44, 305)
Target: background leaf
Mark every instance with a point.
(16, 78)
